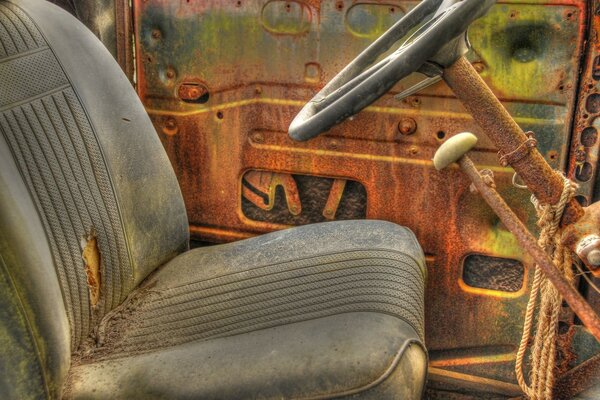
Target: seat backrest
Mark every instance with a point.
(89, 203)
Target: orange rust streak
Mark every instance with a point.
(452, 362)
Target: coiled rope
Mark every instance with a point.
(543, 351)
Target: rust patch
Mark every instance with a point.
(92, 259)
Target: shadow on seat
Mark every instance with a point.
(99, 297)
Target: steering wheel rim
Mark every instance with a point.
(359, 84)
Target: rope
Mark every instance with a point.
(543, 351)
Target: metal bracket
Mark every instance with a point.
(434, 68)
(425, 83)
(335, 196)
(433, 73)
(487, 175)
(259, 187)
(521, 151)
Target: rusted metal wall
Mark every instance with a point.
(222, 80)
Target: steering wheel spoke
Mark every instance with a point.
(348, 86)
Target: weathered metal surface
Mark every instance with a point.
(275, 198)
(583, 160)
(266, 183)
(583, 237)
(515, 147)
(518, 149)
(190, 91)
(261, 64)
(577, 303)
(123, 31)
(582, 377)
(335, 196)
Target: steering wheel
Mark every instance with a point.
(443, 30)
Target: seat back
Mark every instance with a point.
(89, 203)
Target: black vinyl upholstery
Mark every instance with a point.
(320, 311)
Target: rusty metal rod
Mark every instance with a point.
(501, 128)
(577, 303)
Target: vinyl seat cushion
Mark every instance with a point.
(322, 310)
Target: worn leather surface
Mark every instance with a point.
(319, 310)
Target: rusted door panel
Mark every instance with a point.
(260, 61)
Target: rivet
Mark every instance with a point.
(407, 126)
(170, 73)
(312, 72)
(170, 128)
(257, 137)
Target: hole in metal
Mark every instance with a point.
(582, 200)
(291, 199)
(493, 273)
(596, 68)
(584, 172)
(589, 136)
(592, 104)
